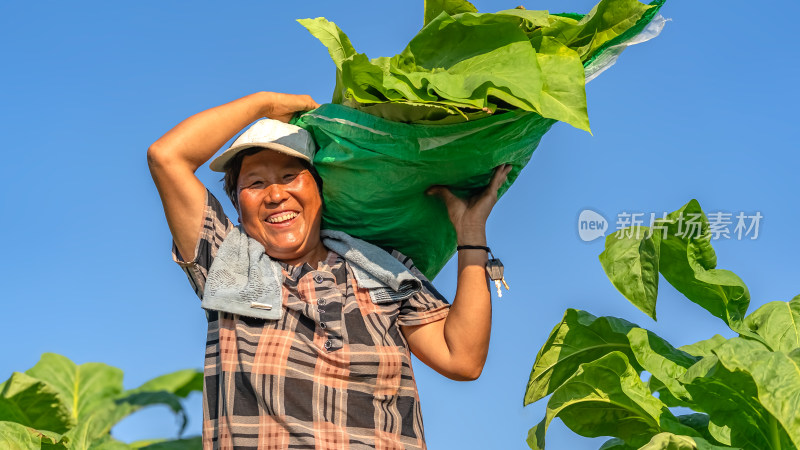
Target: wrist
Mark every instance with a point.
(472, 240)
(266, 103)
(471, 236)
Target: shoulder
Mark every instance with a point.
(405, 260)
(215, 207)
(215, 228)
(427, 286)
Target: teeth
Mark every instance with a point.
(283, 217)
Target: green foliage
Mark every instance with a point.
(671, 441)
(15, 436)
(632, 265)
(745, 390)
(606, 397)
(58, 404)
(462, 61)
(583, 338)
(678, 247)
(33, 403)
(435, 7)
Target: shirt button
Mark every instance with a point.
(318, 278)
(321, 302)
(323, 325)
(320, 310)
(328, 344)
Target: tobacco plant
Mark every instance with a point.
(744, 392)
(60, 405)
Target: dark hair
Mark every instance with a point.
(234, 166)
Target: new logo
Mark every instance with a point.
(591, 225)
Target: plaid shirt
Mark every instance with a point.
(333, 373)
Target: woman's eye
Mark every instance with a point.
(290, 176)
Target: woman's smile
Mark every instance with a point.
(282, 218)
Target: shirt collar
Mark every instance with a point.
(296, 272)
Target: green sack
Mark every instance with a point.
(376, 171)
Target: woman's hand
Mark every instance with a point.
(469, 215)
(284, 106)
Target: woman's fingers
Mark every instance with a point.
(440, 191)
(310, 104)
(473, 212)
(286, 105)
(455, 205)
(499, 176)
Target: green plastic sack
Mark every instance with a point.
(376, 171)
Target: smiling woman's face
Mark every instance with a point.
(280, 206)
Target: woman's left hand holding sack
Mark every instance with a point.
(469, 215)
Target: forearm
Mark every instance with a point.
(468, 325)
(195, 140)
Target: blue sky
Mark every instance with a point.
(705, 111)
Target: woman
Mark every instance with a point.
(323, 361)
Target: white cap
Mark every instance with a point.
(271, 134)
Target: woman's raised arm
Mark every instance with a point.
(174, 157)
(457, 346)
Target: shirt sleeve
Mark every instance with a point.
(216, 226)
(427, 305)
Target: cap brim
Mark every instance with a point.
(218, 163)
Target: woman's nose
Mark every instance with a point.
(276, 193)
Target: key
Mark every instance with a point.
(495, 269)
